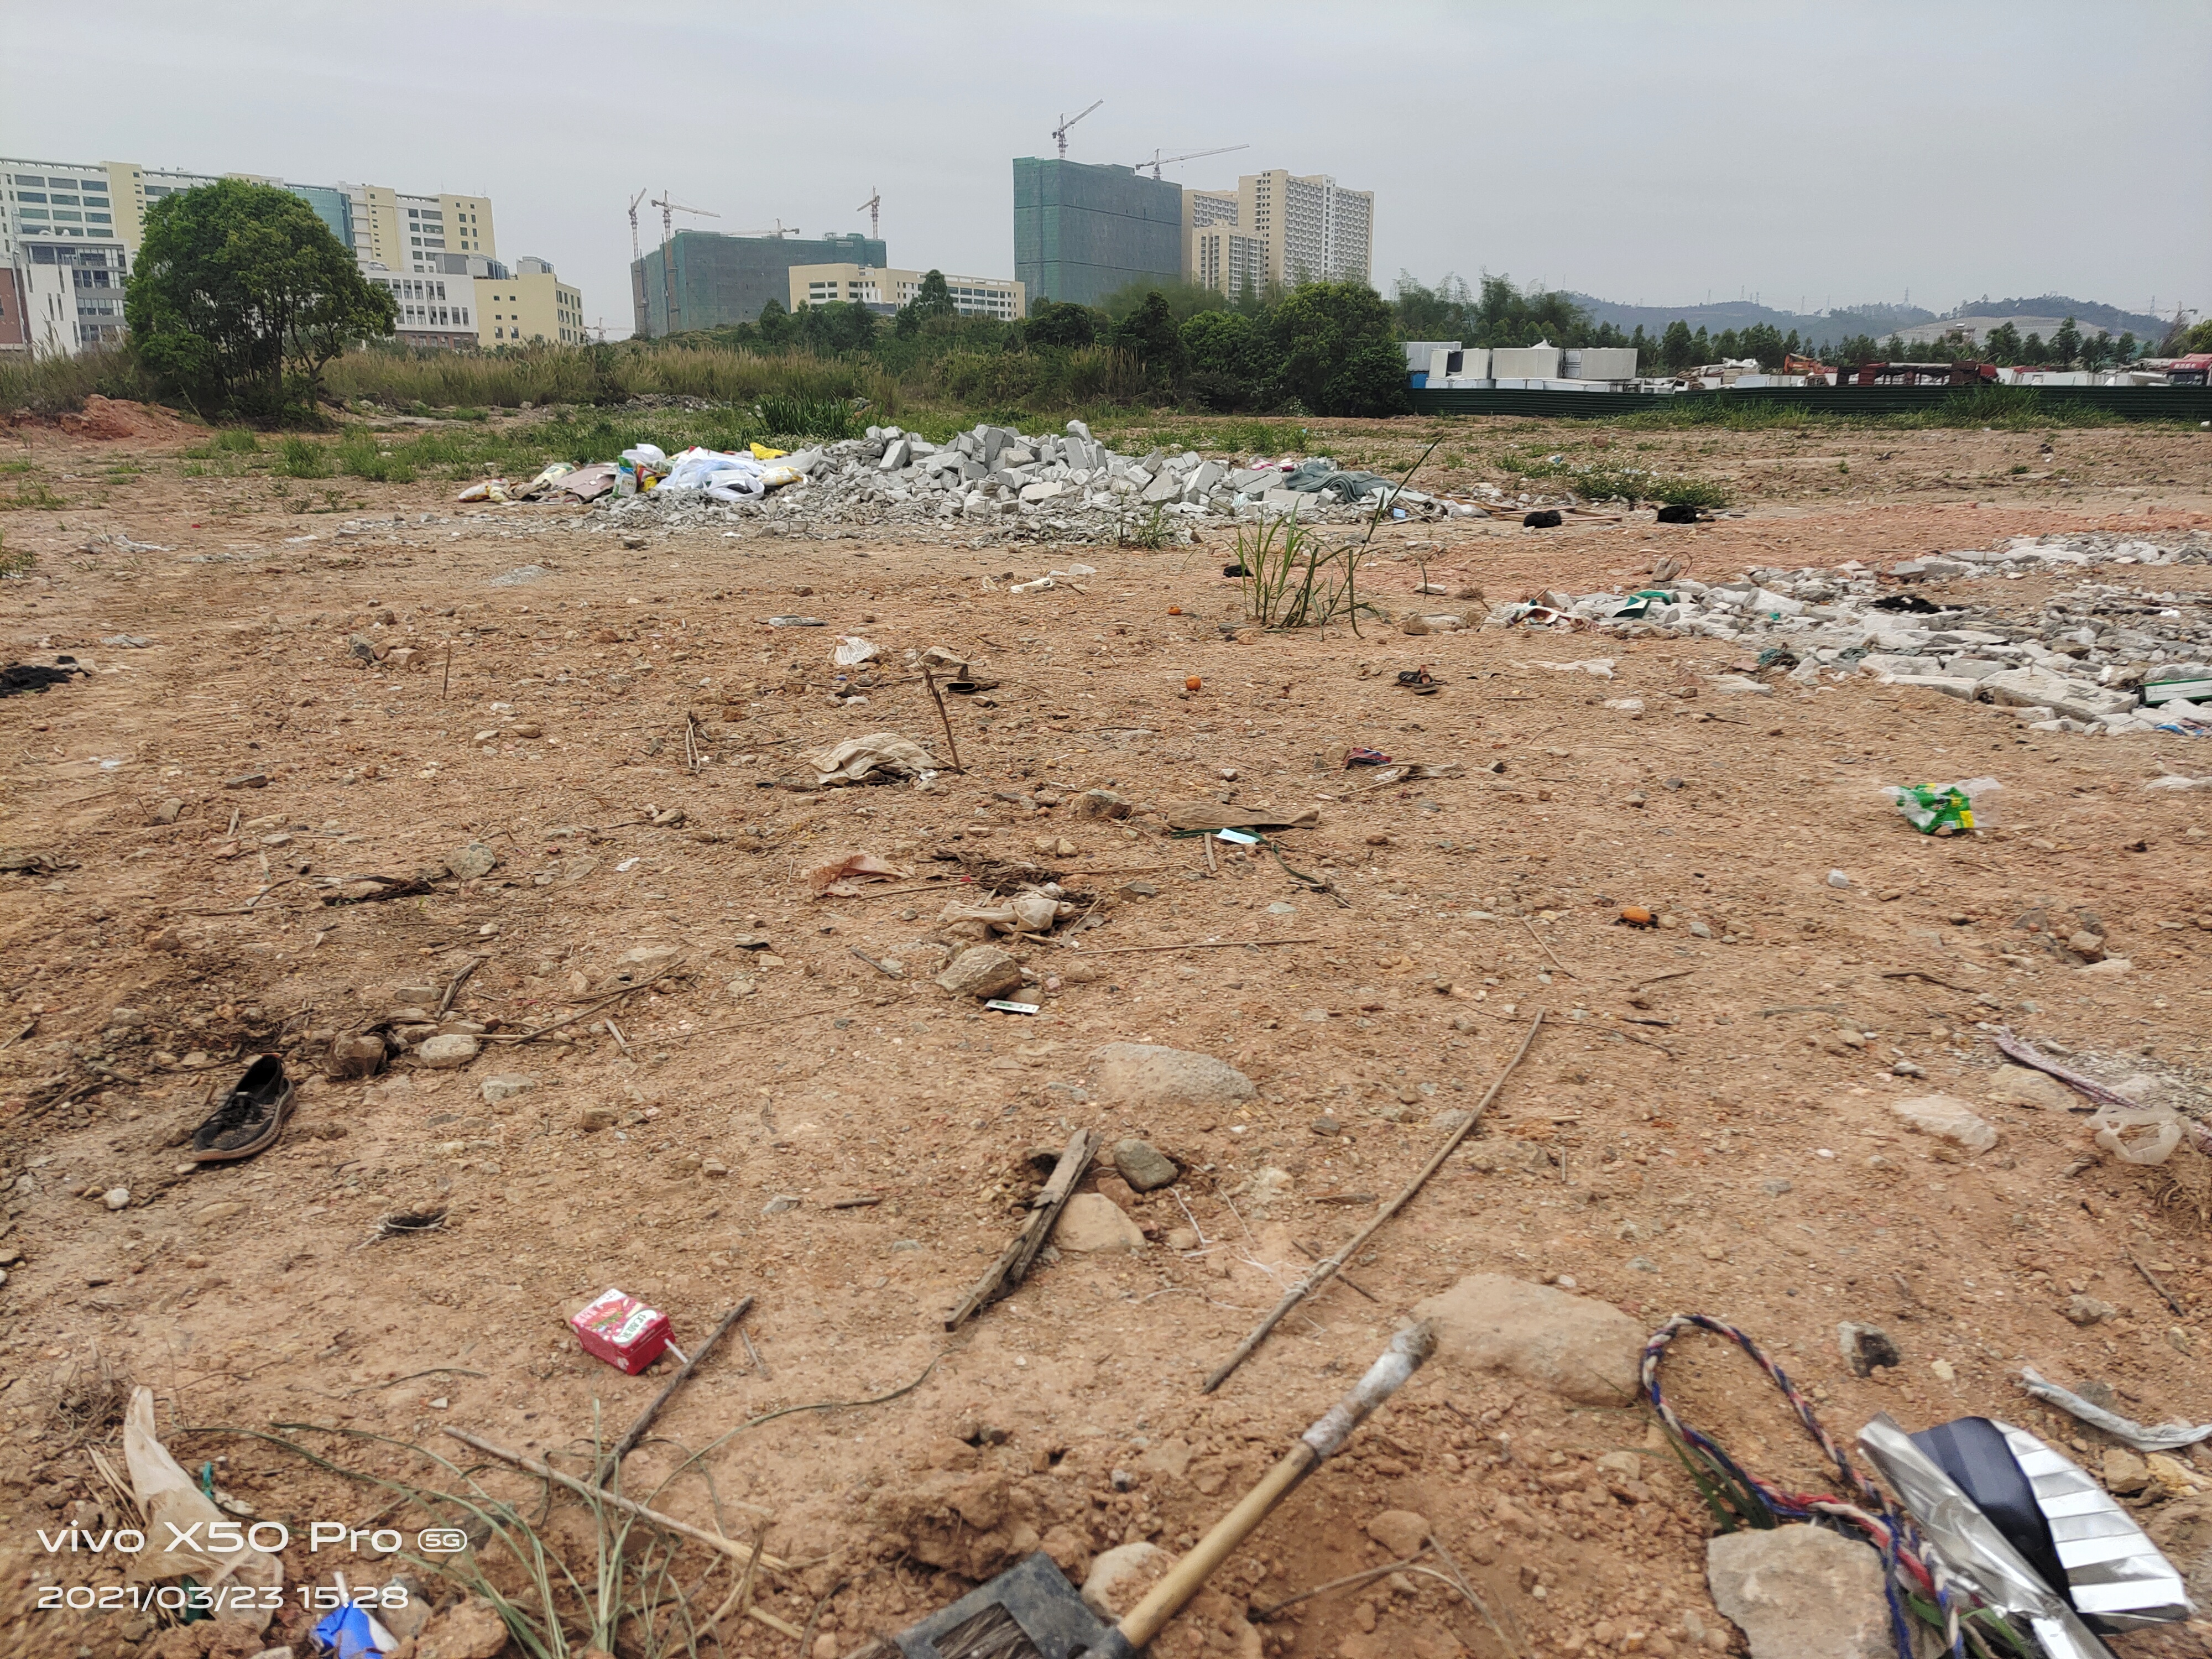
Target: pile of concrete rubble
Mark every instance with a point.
(2090, 659)
(1071, 487)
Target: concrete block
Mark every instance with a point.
(1243, 480)
(1961, 686)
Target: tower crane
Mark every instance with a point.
(781, 231)
(1059, 132)
(1158, 160)
(669, 210)
(871, 207)
(636, 265)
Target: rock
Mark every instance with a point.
(470, 1629)
(2173, 1478)
(1865, 1347)
(2086, 1310)
(116, 1198)
(2126, 1472)
(506, 1086)
(1094, 1223)
(743, 985)
(1401, 1532)
(445, 1054)
(2110, 968)
(2023, 1085)
(982, 970)
(212, 1215)
(1585, 1351)
(473, 860)
(592, 1119)
(2090, 946)
(1146, 1075)
(1801, 1592)
(168, 810)
(357, 1056)
(1120, 1576)
(1947, 1118)
(642, 962)
(1143, 1166)
(1101, 803)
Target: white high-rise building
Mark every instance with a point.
(1279, 229)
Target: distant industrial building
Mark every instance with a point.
(71, 231)
(1278, 228)
(886, 291)
(704, 279)
(1082, 231)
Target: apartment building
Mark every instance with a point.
(1082, 232)
(529, 304)
(1278, 229)
(69, 232)
(886, 290)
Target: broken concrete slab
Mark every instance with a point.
(1801, 1592)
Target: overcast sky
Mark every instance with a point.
(1826, 154)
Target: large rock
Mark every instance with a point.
(1584, 1351)
(2038, 688)
(984, 970)
(1947, 1118)
(2023, 1085)
(443, 1054)
(1120, 1576)
(468, 1630)
(1146, 1075)
(1401, 1532)
(1801, 1592)
(1144, 1166)
(1093, 1224)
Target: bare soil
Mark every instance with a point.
(1704, 1124)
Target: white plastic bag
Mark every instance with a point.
(2136, 1135)
(174, 1508)
(852, 651)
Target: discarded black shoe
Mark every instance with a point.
(1547, 519)
(1234, 570)
(1674, 513)
(251, 1117)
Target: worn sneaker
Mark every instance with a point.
(251, 1117)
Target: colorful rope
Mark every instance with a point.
(1867, 1512)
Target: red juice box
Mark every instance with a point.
(622, 1331)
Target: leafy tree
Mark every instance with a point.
(2128, 350)
(1059, 323)
(1675, 347)
(934, 299)
(2002, 344)
(1184, 300)
(1339, 350)
(1231, 360)
(2066, 344)
(240, 297)
(838, 326)
(1894, 350)
(2033, 351)
(1855, 349)
(1150, 335)
(776, 324)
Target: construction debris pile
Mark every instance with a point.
(2103, 658)
(1071, 487)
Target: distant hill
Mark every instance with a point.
(1914, 322)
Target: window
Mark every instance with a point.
(34, 213)
(98, 219)
(31, 195)
(30, 179)
(71, 200)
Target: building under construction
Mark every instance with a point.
(709, 279)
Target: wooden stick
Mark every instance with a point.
(582, 1013)
(1013, 1262)
(1200, 944)
(1314, 1280)
(453, 987)
(714, 1540)
(1547, 949)
(938, 698)
(448, 685)
(2151, 1279)
(623, 1447)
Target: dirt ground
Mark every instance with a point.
(1703, 1123)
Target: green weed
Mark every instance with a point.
(792, 416)
(16, 562)
(1289, 581)
(360, 454)
(31, 496)
(303, 458)
(236, 441)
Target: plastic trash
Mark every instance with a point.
(177, 1510)
(647, 457)
(1945, 808)
(2136, 1135)
(355, 1633)
(620, 1330)
(762, 453)
(490, 489)
(852, 651)
(855, 759)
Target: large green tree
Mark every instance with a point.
(241, 295)
(1338, 349)
(1150, 335)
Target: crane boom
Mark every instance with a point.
(871, 207)
(1158, 160)
(669, 208)
(1059, 132)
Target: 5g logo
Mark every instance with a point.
(442, 1540)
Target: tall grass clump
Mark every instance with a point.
(1290, 581)
(788, 414)
(303, 458)
(360, 454)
